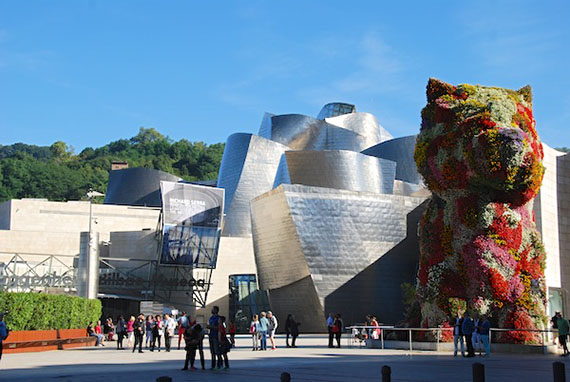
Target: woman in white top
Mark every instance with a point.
(169, 327)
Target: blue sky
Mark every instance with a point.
(89, 72)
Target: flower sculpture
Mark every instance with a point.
(480, 155)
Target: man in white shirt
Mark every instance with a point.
(272, 328)
(169, 327)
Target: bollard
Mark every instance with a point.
(478, 372)
(559, 372)
(164, 379)
(386, 373)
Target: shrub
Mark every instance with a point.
(38, 311)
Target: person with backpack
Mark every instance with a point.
(254, 331)
(292, 329)
(4, 332)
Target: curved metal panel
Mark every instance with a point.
(232, 164)
(364, 124)
(401, 151)
(293, 130)
(334, 109)
(137, 186)
(344, 170)
(331, 234)
(249, 165)
(282, 176)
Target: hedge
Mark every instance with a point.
(38, 311)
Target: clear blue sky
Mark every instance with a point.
(89, 72)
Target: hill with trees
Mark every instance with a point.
(57, 173)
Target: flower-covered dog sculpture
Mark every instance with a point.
(480, 155)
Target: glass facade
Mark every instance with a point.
(190, 245)
(245, 300)
(335, 109)
(555, 302)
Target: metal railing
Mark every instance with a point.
(356, 332)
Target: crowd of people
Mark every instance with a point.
(264, 326)
(474, 333)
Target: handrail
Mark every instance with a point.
(438, 330)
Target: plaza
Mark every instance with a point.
(311, 361)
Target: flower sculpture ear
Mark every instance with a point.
(437, 88)
(526, 93)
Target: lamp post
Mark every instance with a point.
(91, 263)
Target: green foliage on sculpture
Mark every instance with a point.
(480, 155)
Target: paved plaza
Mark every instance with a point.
(311, 361)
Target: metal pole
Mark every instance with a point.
(478, 372)
(559, 371)
(410, 331)
(382, 337)
(386, 373)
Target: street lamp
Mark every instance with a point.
(91, 271)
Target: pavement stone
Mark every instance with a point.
(311, 361)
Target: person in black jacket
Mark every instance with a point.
(291, 328)
(121, 329)
(139, 327)
(467, 328)
(194, 341)
(458, 335)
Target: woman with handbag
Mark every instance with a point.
(225, 344)
(337, 328)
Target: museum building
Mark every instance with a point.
(320, 215)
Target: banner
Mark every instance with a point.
(192, 221)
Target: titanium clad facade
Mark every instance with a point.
(136, 186)
(301, 132)
(339, 234)
(344, 170)
(401, 151)
(364, 124)
(248, 169)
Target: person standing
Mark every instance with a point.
(458, 335)
(232, 330)
(375, 330)
(157, 332)
(138, 329)
(554, 322)
(193, 337)
(254, 331)
(4, 332)
(563, 329)
(263, 326)
(272, 328)
(213, 325)
(169, 327)
(183, 323)
(338, 328)
(467, 327)
(476, 337)
(292, 328)
(484, 329)
(330, 327)
(130, 332)
(225, 344)
(121, 332)
(148, 329)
